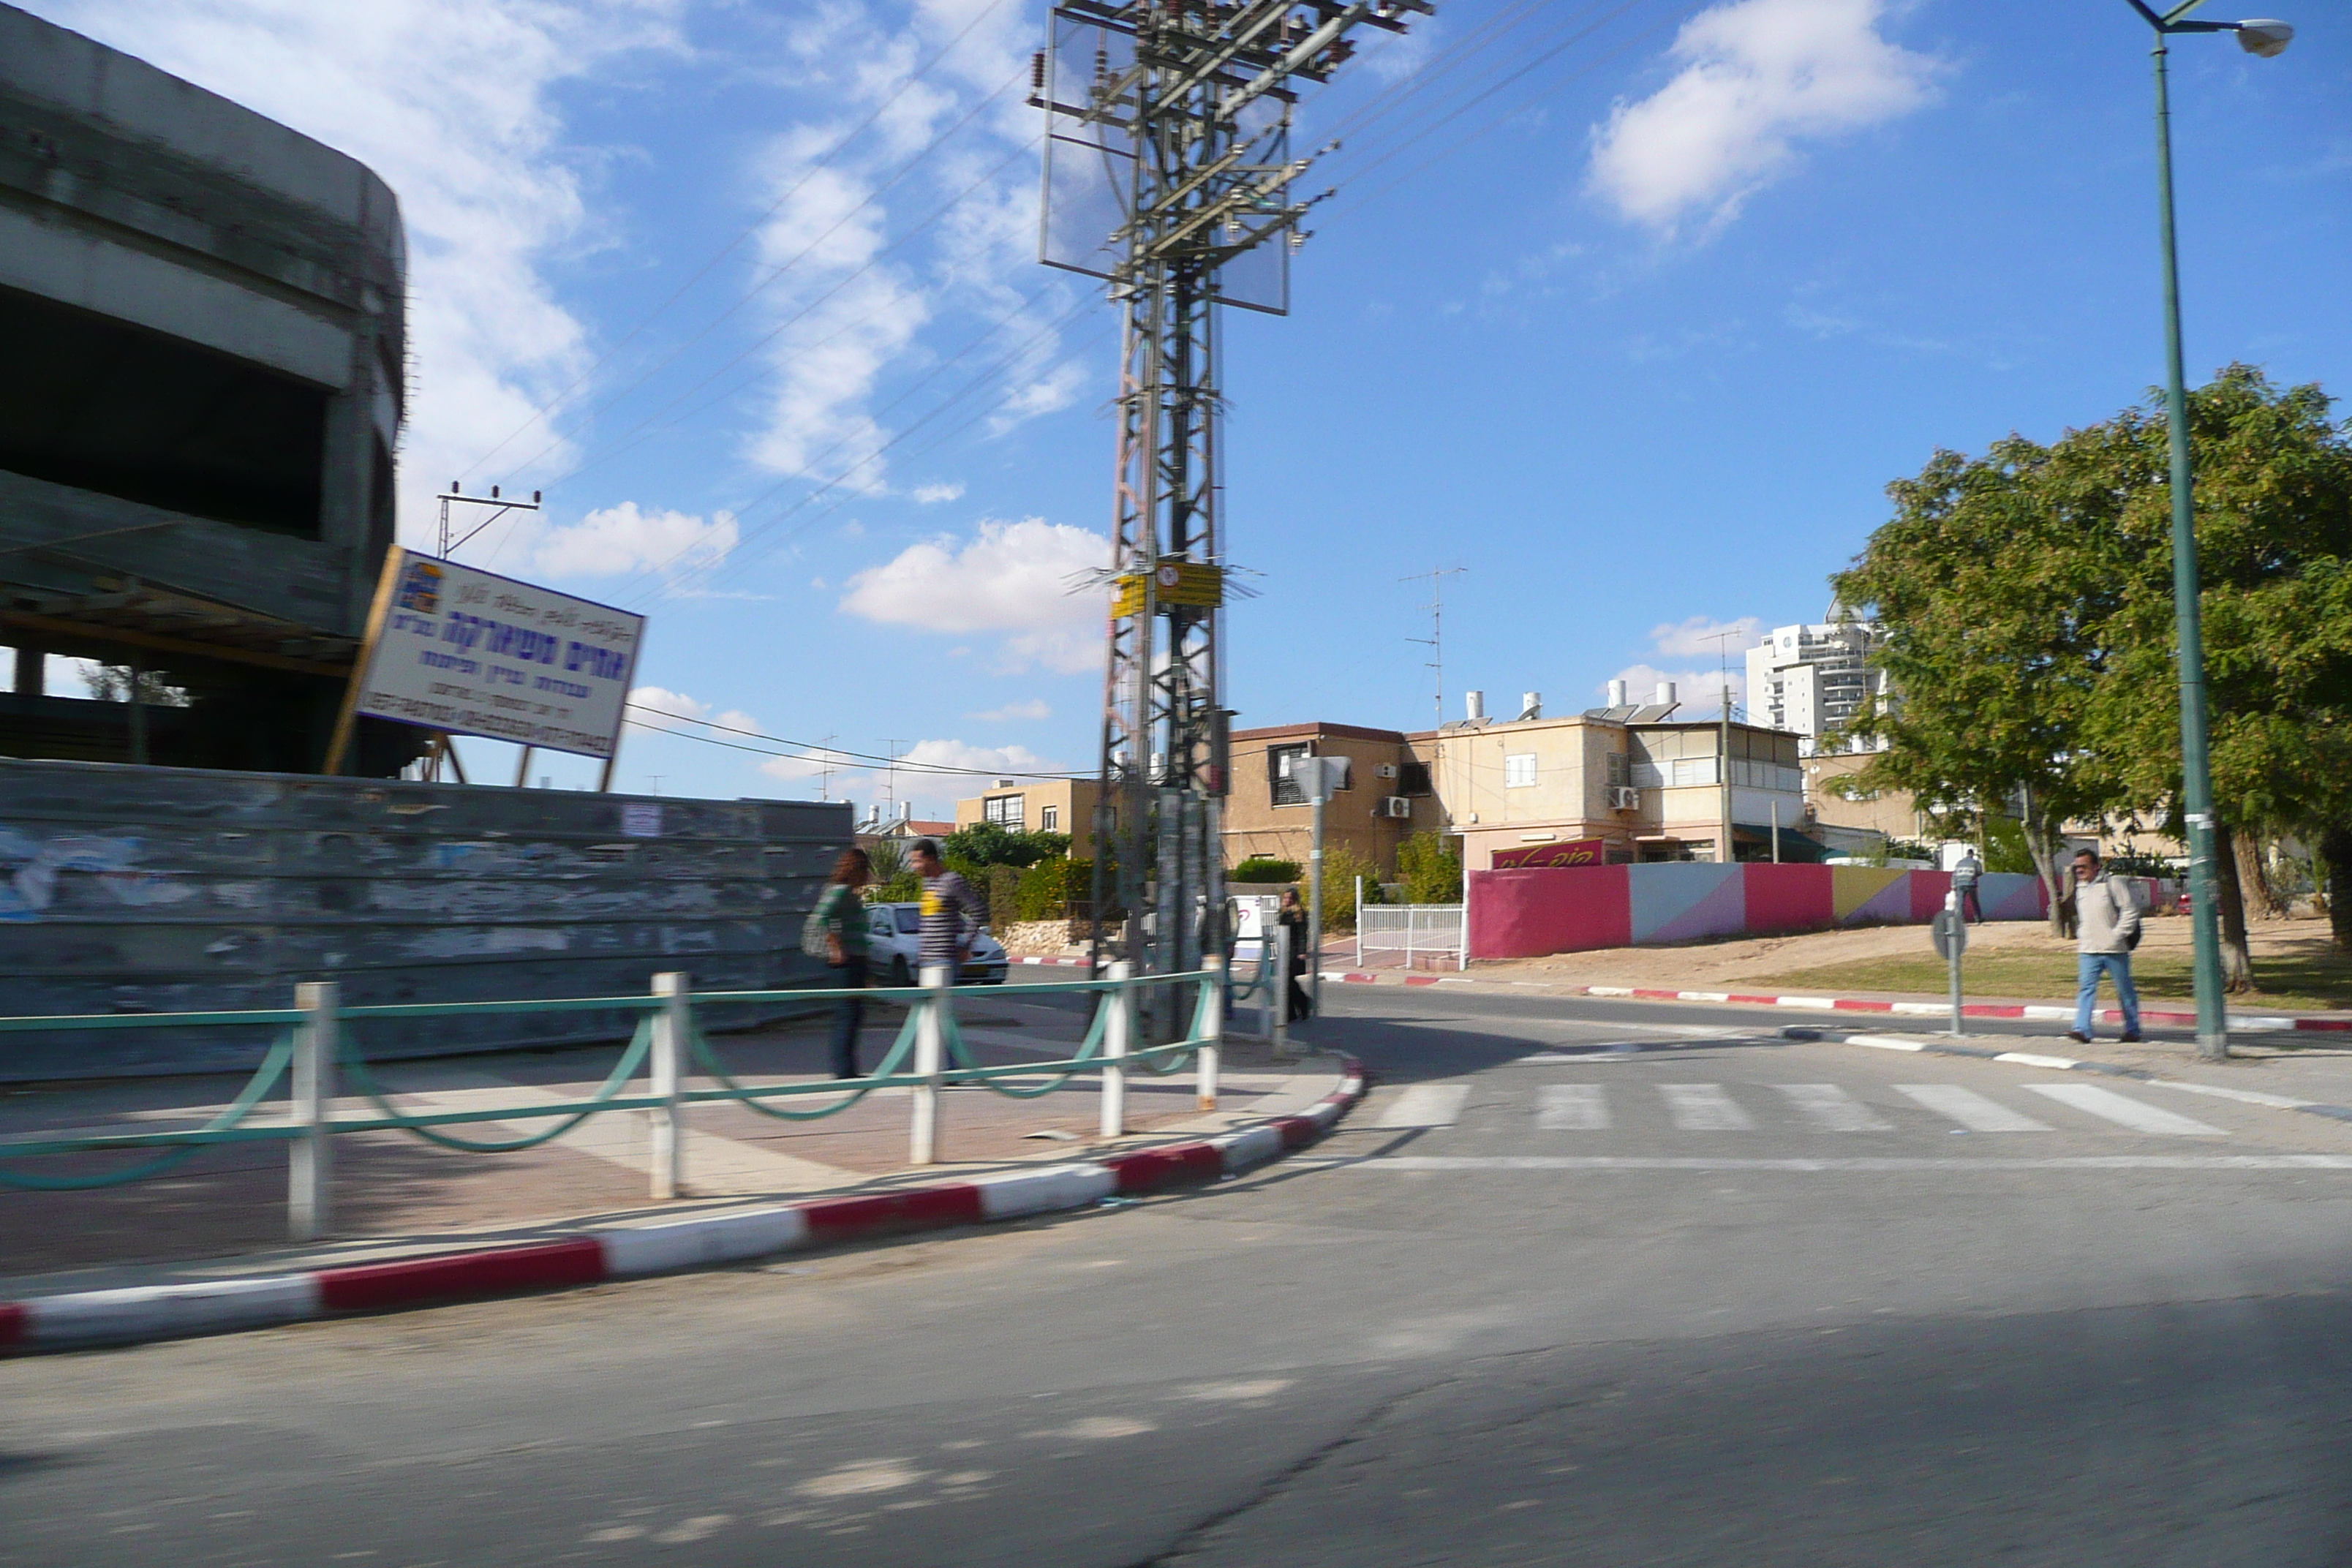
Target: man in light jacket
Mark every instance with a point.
(2106, 918)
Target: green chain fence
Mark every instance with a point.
(314, 1046)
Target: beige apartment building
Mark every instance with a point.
(1387, 797)
(1048, 805)
(1647, 786)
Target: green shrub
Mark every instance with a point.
(903, 889)
(1263, 869)
(1430, 870)
(1050, 889)
(1341, 867)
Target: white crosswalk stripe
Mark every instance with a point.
(1826, 1108)
(1572, 1107)
(1426, 1105)
(1704, 1108)
(2123, 1110)
(1969, 1109)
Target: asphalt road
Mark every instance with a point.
(1727, 1299)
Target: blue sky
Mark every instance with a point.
(1630, 309)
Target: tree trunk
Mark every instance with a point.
(2237, 957)
(2254, 880)
(2042, 844)
(2335, 850)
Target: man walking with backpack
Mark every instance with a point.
(951, 915)
(2107, 920)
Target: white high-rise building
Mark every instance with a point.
(1813, 680)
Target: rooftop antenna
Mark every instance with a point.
(1435, 641)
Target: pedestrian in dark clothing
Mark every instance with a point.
(842, 913)
(951, 915)
(1293, 918)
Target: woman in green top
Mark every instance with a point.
(842, 914)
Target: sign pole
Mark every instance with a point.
(347, 720)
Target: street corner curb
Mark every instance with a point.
(85, 1318)
(2071, 1064)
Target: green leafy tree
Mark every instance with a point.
(972, 848)
(1993, 598)
(1430, 869)
(2274, 477)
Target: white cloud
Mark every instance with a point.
(617, 538)
(1756, 77)
(932, 494)
(451, 101)
(1009, 577)
(932, 774)
(673, 706)
(848, 296)
(1703, 634)
(1036, 708)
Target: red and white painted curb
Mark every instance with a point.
(2043, 1012)
(590, 1258)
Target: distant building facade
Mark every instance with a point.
(202, 377)
(1644, 784)
(1045, 805)
(1815, 681)
(1390, 794)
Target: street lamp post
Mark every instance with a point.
(2265, 38)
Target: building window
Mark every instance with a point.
(1005, 810)
(1519, 771)
(1618, 764)
(1049, 819)
(1413, 778)
(1285, 791)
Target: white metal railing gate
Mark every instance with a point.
(1414, 935)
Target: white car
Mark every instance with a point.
(894, 942)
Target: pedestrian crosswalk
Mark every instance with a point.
(1773, 1107)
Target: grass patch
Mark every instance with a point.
(2318, 977)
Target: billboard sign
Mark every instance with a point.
(467, 653)
(1575, 852)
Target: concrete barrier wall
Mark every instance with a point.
(128, 890)
(1527, 913)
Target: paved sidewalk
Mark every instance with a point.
(396, 1195)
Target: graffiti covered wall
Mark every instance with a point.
(130, 889)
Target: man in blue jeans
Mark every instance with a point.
(2107, 922)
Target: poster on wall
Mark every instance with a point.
(1575, 852)
(469, 653)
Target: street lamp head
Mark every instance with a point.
(2264, 37)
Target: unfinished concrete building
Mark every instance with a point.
(201, 382)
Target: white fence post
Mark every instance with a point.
(1213, 1028)
(1117, 1029)
(1278, 998)
(667, 1145)
(930, 1051)
(1360, 924)
(310, 1186)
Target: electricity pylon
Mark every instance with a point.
(1169, 175)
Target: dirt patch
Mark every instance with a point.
(2295, 964)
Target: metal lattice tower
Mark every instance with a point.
(1169, 175)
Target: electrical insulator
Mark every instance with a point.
(1037, 71)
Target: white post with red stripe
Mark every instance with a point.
(931, 1050)
(1213, 1030)
(310, 1174)
(668, 1149)
(1118, 1029)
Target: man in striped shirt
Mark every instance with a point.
(951, 915)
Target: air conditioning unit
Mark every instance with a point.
(1624, 797)
(1396, 805)
(1386, 770)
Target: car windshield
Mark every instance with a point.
(910, 918)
